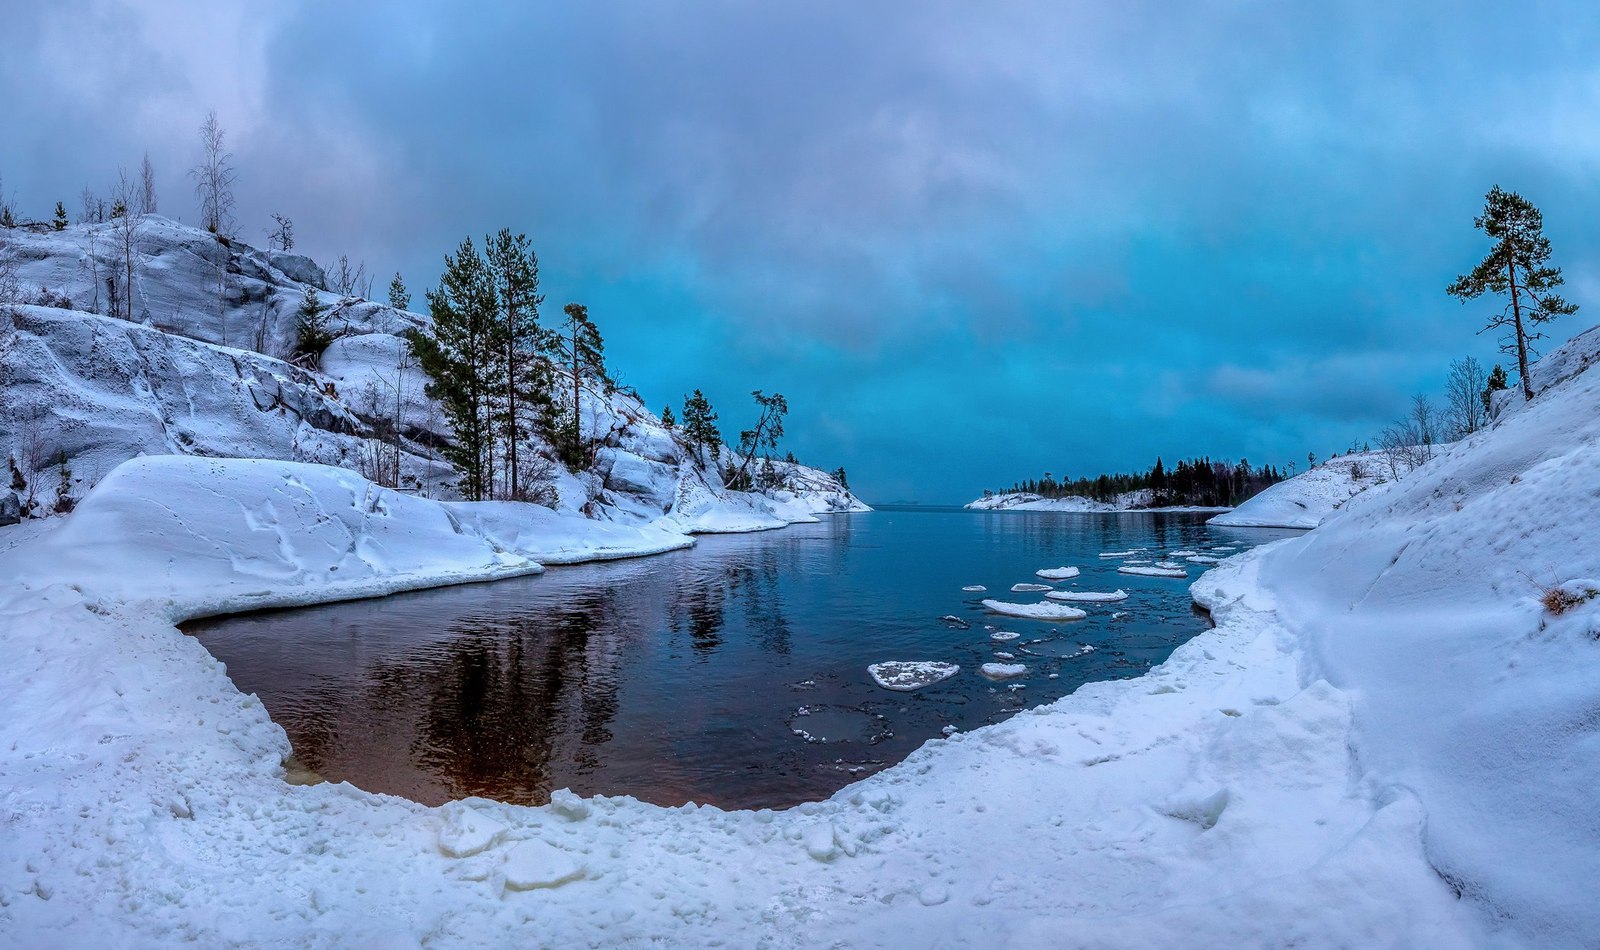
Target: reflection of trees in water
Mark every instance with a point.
(495, 703)
(750, 580)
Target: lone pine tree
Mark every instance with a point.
(1518, 266)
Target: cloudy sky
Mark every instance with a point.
(970, 242)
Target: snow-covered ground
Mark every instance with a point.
(1387, 740)
(1307, 499)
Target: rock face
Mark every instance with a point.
(10, 508)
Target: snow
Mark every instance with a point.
(1027, 501)
(1307, 499)
(1003, 671)
(1387, 740)
(1140, 570)
(1040, 611)
(908, 675)
(1057, 573)
(1089, 596)
(1028, 588)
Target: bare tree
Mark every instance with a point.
(93, 207)
(125, 220)
(1463, 395)
(1425, 423)
(8, 210)
(341, 279)
(147, 187)
(10, 288)
(282, 234)
(214, 178)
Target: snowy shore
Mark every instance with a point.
(1026, 501)
(1387, 740)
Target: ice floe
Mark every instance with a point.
(1169, 565)
(1044, 610)
(1203, 559)
(974, 588)
(906, 675)
(1151, 571)
(1057, 573)
(1110, 554)
(1089, 596)
(1003, 671)
(1028, 588)
(1002, 636)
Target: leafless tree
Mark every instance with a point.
(93, 207)
(214, 178)
(10, 288)
(1425, 423)
(1463, 396)
(8, 208)
(125, 220)
(282, 233)
(147, 187)
(349, 282)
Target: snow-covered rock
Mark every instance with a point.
(1305, 500)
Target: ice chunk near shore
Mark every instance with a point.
(534, 864)
(1028, 588)
(1182, 553)
(1003, 671)
(1203, 559)
(1109, 554)
(1044, 610)
(1057, 573)
(1089, 596)
(907, 675)
(1002, 636)
(974, 588)
(1140, 571)
(1169, 565)
(956, 622)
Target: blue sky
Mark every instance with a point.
(970, 242)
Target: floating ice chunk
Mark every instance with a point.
(974, 588)
(907, 675)
(949, 730)
(1004, 635)
(1004, 656)
(1003, 671)
(1044, 610)
(956, 622)
(1138, 561)
(1089, 596)
(1028, 588)
(1152, 571)
(1182, 553)
(1119, 615)
(1057, 573)
(1170, 565)
(532, 864)
(1203, 559)
(1118, 553)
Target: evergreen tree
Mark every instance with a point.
(1497, 382)
(522, 386)
(312, 334)
(666, 417)
(763, 437)
(700, 426)
(7, 219)
(839, 476)
(60, 221)
(399, 296)
(1517, 265)
(459, 355)
(582, 354)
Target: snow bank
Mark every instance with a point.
(1307, 499)
(203, 536)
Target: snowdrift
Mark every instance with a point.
(1307, 499)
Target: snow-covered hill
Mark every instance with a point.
(198, 372)
(1305, 500)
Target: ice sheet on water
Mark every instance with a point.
(1057, 573)
(974, 588)
(1089, 596)
(1003, 671)
(1003, 635)
(1170, 565)
(1203, 559)
(1044, 610)
(1028, 588)
(907, 675)
(1142, 571)
(1110, 554)
(956, 622)
(838, 724)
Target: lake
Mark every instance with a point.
(733, 673)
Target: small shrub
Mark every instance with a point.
(1560, 598)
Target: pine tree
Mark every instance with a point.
(764, 436)
(60, 221)
(582, 355)
(312, 334)
(666, 417)
(839, 476)
(522, 384)
(1517, 265)
(399, 297)
(1497, 382)
(458, 353)
(700, 426)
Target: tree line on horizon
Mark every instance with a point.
(1198, 482)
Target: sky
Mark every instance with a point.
(971, 243)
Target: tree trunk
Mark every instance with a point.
(511, 392)
(1516, 317)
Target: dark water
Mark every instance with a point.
(690, 676)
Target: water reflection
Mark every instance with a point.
(682, 677)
